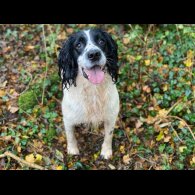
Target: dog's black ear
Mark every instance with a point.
(112, 57)
(68, 67)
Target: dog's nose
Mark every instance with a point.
(94, 55)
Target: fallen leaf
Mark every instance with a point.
(138, 124)
(162, 113)
(126, 159)
(193, 160)
(166, 139)
(160, 136)
(30, 158)
(19, 149)
(112, 167)
(59, 167)
(59, 155)
(13, 109)
(126, 40)
(146, 88)
(147, 62)
(122, 149)
(2, 93)
(181, 148)
(29, 47)
(38, 158)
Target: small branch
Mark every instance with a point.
(176, 117)
(46, 58)
(32, 165)
(177, 135)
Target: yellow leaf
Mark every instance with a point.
(190, 56)
(122, 149)
(181, 148)
(95, 156)
(165, 87)
(147, 62)
(126, 159)
(59, 167)
(160, 136)
(193, 160)
(38, 158)
(19, 149)
(181, 124)
(2, 93)
(188, 62)
(162, 113)
(30, 158)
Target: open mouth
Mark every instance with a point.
(95, 74)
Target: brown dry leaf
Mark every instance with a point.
(62, 36)
(126, 40)
(69, 30)
(6, 138)
(150, 120)
(138, 124)
(19, 149)
(13, 109)
(192, 162)
(167, 138)
(29, 47)
(126, 159)
(2, 93)
(146, 88)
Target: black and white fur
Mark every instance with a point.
(83, 101)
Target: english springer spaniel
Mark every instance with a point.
(89, 70)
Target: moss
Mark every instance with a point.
(27, 100)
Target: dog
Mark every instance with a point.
(88, 67)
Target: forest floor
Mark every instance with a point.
(156, 125)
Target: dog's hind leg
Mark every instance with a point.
(71, 139)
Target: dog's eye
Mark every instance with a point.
(101, 42)
(78, 45)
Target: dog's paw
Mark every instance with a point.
(106, 153)
(73, 150)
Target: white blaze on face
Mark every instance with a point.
(83, 60)
(95, 74)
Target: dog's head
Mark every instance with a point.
(91, 53)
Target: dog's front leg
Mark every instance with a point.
(71, 139)
(106, 151)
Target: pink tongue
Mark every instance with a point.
(95, 75)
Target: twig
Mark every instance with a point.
(177, 135)
(150, 161)
(126, 133)
(136, 33)
(32, 165)
(46, 58)
(27, 87)
(176, 117)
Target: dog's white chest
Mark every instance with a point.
(88, 103)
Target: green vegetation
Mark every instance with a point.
(156, 125)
